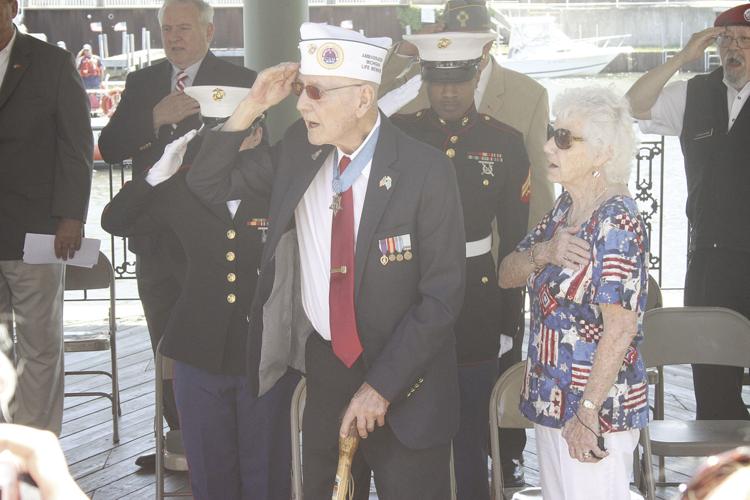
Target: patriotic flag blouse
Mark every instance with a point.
(566, 321)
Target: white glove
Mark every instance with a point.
(170, 161)
(401, 96)
(506, 344)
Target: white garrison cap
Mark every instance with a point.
(332, 51)
(217, 101)
(450, 46)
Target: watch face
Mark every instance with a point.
(588, 404)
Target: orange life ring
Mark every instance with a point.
(109, 103)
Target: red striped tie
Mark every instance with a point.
(342, 318)
(180, 83)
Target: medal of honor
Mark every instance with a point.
(335, 203)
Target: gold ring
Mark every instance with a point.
(587, 455)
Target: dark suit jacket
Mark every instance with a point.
(46, 145)
(130, 131)
(205, 329)
(405, 310)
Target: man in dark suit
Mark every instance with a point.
(381, 274)
(46, 151)
(153, 112)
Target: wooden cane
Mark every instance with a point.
(347, 449)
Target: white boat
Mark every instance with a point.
(538, 48)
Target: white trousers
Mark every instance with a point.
(31, 306)
(565, 478)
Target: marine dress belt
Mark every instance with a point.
(478, 247)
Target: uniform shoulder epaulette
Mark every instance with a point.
(492, 122)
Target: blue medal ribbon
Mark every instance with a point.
(342, 182)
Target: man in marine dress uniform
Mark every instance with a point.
(154, 111)
(510, 97)
(371, 221)
(710, 115)
(237, 445)
(493, 177)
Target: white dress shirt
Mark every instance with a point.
(314, 219)
(5, 57)
(668, 111)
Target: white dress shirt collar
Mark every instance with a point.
(5, 57)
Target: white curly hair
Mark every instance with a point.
(607, 125)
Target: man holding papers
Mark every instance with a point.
(45, 178)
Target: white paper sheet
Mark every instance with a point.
(40, 249)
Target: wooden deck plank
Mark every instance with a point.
(107, 471)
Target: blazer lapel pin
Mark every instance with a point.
(315, 155)
(385, 182)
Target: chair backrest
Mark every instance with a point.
(684, 335)
(653, 298)
(505, 398)
(82, 278)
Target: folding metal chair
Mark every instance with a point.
(298, 410)
(687, 335)
(170, 453)
(505, 414)
(101, 276)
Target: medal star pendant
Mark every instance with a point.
(335, 204)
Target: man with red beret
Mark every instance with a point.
(709, 115)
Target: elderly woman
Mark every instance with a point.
(585, 267)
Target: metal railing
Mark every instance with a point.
(129, 4)
(648, 191)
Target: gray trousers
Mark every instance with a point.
(31, 309)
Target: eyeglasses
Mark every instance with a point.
(316, 93)
(725, 41)
(564, 138)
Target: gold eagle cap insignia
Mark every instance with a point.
(443, 43)
(217, 94)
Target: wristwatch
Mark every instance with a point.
(588, 404)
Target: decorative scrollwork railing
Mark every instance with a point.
(649, 193)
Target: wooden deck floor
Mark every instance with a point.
(107, 471)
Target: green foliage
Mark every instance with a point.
(410, 16)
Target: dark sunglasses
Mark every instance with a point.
(316, 93)
(563, 137)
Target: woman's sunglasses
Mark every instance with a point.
(316, 93)
(563, 137)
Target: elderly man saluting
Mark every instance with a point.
(379, 244)
(709, 115)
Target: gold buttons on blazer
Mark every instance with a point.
(231, 298)
(486, 182)
(231, 277)
(231, 234)
(454, 139)
(230, 256)
(450, 152)
(485, 280)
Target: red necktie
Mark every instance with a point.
(180, 83)
(343, 320)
